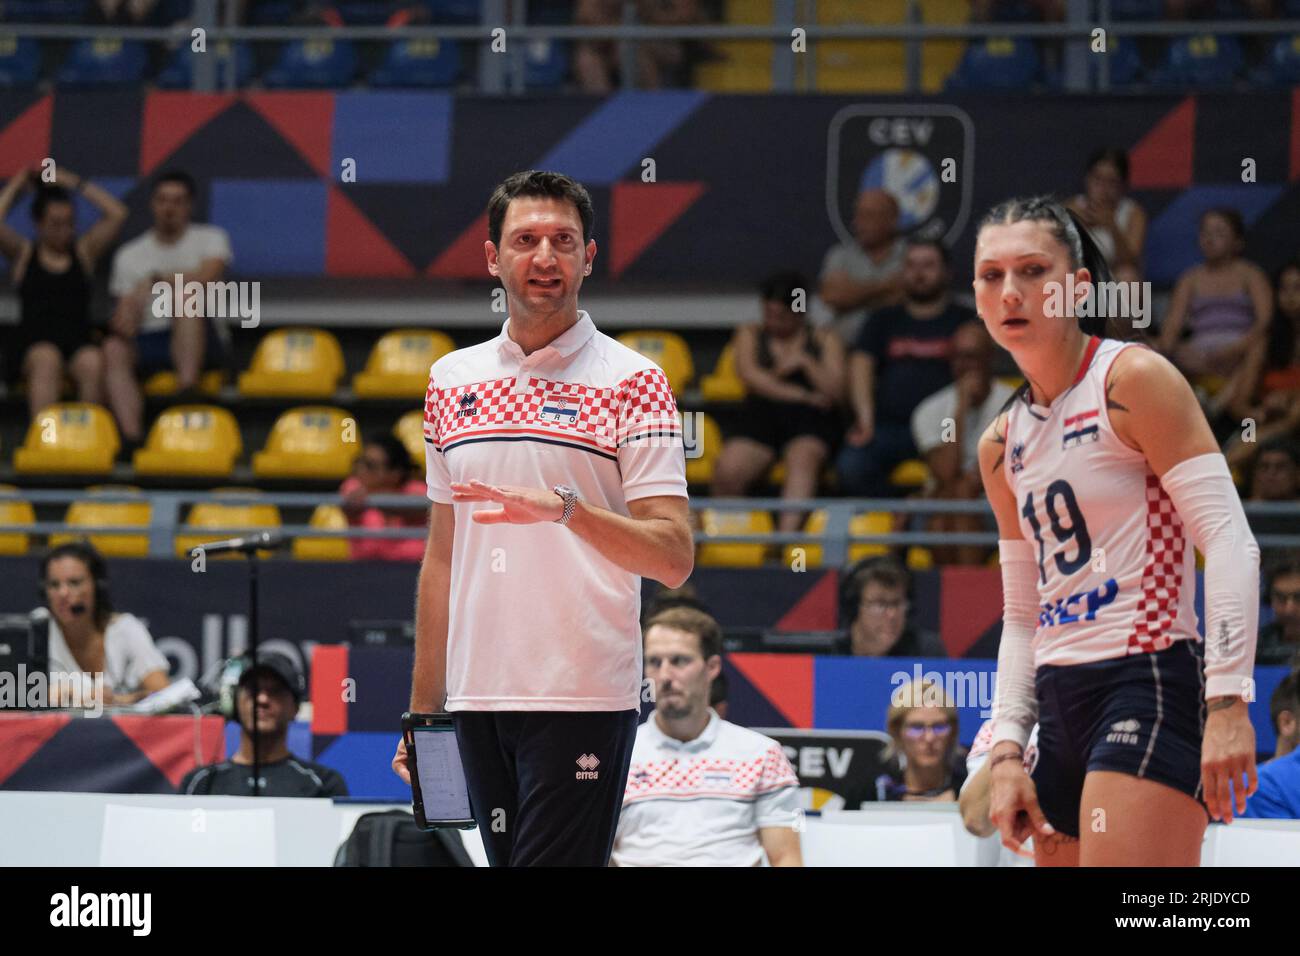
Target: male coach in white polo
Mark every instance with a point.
(557, 476)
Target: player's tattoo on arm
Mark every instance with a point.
(1111, 404)
(1050, 844)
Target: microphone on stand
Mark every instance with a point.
(261, 541)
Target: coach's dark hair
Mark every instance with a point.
(688, 619)
(45, 196)
(84, 552)
(781, 286)
(395, 451)
(1116, 157)
(176, 176)
(540, 184)
(916, 242)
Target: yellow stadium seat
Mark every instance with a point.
(329, 517)
(228, 520)
(723, 384)
(69, 438)
(13, 511)
(312, 441)
(191, 440)
(162, 384)
(398, 366)
(750, 12)
(299, 363)
(669, 351)
(410, 431)
(733, 555)
(912, 473)
(743, 66)
(89, 513)
(1011, 381)
(707, 441)
(940, 57)
(919, 559)
(812, 553)
(849, 66)
(873, 522)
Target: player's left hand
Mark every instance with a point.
(1228, 756)
(518, 505)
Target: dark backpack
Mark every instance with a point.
(391, 838)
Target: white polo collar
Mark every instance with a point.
(701, 743)
(563, 345)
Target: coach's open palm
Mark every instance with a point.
(518, 505)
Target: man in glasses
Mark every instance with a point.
(1279, 640)
(876, 614)
(383, 468)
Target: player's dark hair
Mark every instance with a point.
(916, 242)
(781, 286)
(1286, 696)
(176, 176)
(84, 552)
(47, 196)
(395, 451)
(1116, 157)
(688, 619)
(536, 183)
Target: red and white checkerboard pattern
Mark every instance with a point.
(642, 402)
(705, 776)
(1162, 575)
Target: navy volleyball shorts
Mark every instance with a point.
(1143, 715)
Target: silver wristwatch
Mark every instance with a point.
(570, 498)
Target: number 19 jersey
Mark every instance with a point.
(1116, 569)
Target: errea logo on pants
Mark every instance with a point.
(1124, 732)
(587, 764)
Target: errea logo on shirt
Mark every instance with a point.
(466, 405)
(587, 764)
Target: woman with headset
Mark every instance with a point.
(86, 636)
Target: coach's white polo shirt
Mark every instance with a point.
(539, 620)
(702, 802)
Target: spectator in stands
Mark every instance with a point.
(54, 277)
(276, 688)
(125, 13)
(1275, 478)
(1278, 796)
(926, 763)
(659, 63)
(87, 636)
(875, 601)
(141, 339)
(1219, 308)
(1265, 389)
(1279, 640)
(901, 357)
(867, 273)
(794, 377)
(1284, 710)
(985, 11)
(383, 468)
(946, 428)
(1117, 223)
(1213, 9)
(701, 791)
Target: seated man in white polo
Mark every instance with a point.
(701, 791)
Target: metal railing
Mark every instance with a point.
(166, 508)
(498, 74)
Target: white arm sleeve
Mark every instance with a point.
(1015, 707)
(1201, 490)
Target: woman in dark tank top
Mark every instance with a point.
(53, 277)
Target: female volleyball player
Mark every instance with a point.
(1102, 473)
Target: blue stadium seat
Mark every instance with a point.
(45, 11)
(366, 12)
(1291, 8)
(1282, 66)
(105, 62)
(20, 60)
(1137, 9)
(1015, 11)
(550, 12)
(999, 63)
(179, 71)
(314, 63)
(1125, 64)
(546, 63)
(1201, 62)
(170, 11)
(419, 63)
(270, 13)
(454, 11)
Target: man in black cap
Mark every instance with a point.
(276, 688)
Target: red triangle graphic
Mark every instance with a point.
(305, 120)
(970, 602)
(171, 752)
(355, 247)
(171, 118)
(816, 610)
(640, 212)
(1295, 136)
(786, 680)
(23, 736)
(1163, 158)
(464, 258)
(26, 140)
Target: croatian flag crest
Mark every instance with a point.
(1080, 428)
(561, 411)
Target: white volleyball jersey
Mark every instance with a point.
(1116, 569)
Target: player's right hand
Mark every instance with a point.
(399, 762)
(1013, 805)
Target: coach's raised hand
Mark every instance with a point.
(518, 505)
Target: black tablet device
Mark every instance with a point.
(439, 794)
